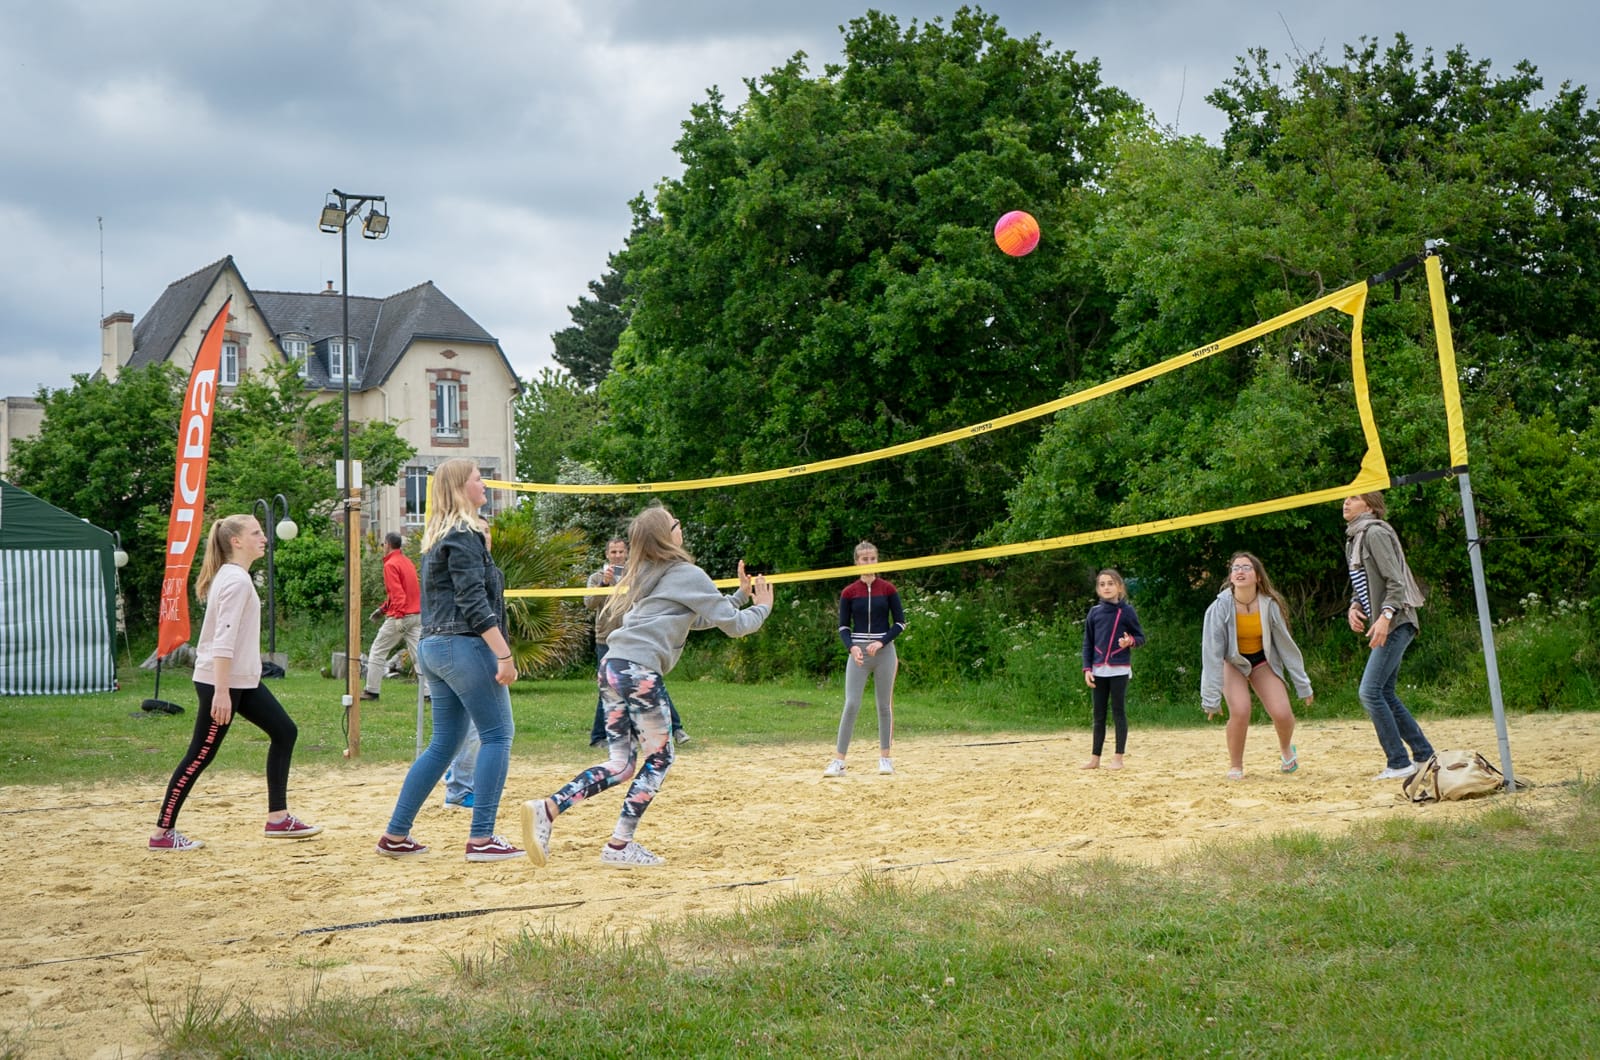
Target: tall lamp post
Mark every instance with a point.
(284, 528)
(337, 212)
(119, 559)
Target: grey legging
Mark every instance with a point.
(881, 667)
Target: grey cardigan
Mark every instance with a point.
(1219, 644)
(654, 630)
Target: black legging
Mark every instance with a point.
(260, 708)
(1114, 690)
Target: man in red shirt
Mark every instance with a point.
(402, 613)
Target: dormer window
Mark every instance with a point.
(295, 351)
(336, 359)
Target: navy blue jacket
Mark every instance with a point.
(1106, 624)
(462, 589)
(870, 612)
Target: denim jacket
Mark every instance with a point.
(463, 592)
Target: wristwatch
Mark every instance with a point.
(1388, 612)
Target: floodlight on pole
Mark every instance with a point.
(333, 218)
(337, 213)
(376, 225)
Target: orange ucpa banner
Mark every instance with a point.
(189, 485)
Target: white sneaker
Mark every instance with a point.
(536, 827)
(629, 856)
(835, 768)
(886, 766)
(1397, 774)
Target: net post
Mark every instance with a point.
(1469, 514)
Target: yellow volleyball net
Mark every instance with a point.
(1372, 474)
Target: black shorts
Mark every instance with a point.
(1256, 658)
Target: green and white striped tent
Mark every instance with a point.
(57, 599)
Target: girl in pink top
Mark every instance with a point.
(228, 659)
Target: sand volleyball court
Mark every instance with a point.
(94, 926)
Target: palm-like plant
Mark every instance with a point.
(544, 632)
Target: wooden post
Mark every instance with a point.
(352, 669)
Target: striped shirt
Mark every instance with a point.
(1358, 582)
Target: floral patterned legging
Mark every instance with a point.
(638, 719)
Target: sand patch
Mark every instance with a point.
(94, 924)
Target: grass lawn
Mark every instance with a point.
(85, 739)
(1476, 936)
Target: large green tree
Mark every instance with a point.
(585, 349)
(556, 419)
(106, 452)
(1326, 177)
(822, 280)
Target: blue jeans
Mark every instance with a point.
(460, 672)
(1397, 729)
(459, 778)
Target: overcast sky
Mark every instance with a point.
(508, 137)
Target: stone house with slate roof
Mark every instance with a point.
(415, 358)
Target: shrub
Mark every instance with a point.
(310, 576)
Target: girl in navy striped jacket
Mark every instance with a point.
(870, 618)
(1110, 633)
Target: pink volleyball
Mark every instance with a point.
(1017, 233)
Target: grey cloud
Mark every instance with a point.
(508, 136)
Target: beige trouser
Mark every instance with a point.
(390, 634)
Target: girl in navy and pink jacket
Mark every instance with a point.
(1110, 633)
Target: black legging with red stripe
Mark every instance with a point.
(260, 708)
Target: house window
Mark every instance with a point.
(336, 359)
(228, 368)
(416, 502)
(295, 351)
(447, 408)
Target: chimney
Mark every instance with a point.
(116, 343)
(330, 289)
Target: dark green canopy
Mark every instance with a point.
(57, 599)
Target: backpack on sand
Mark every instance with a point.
(1451, 775)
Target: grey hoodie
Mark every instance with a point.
(654, 630)
(1219, 644)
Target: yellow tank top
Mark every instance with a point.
(1249, 629)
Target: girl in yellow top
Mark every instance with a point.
(1246, 645)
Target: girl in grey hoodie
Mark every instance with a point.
(1246, 645)
(661, 597)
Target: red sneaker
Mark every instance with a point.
(175, 840)
(291, 827)
(400, 848)
(492, 849)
